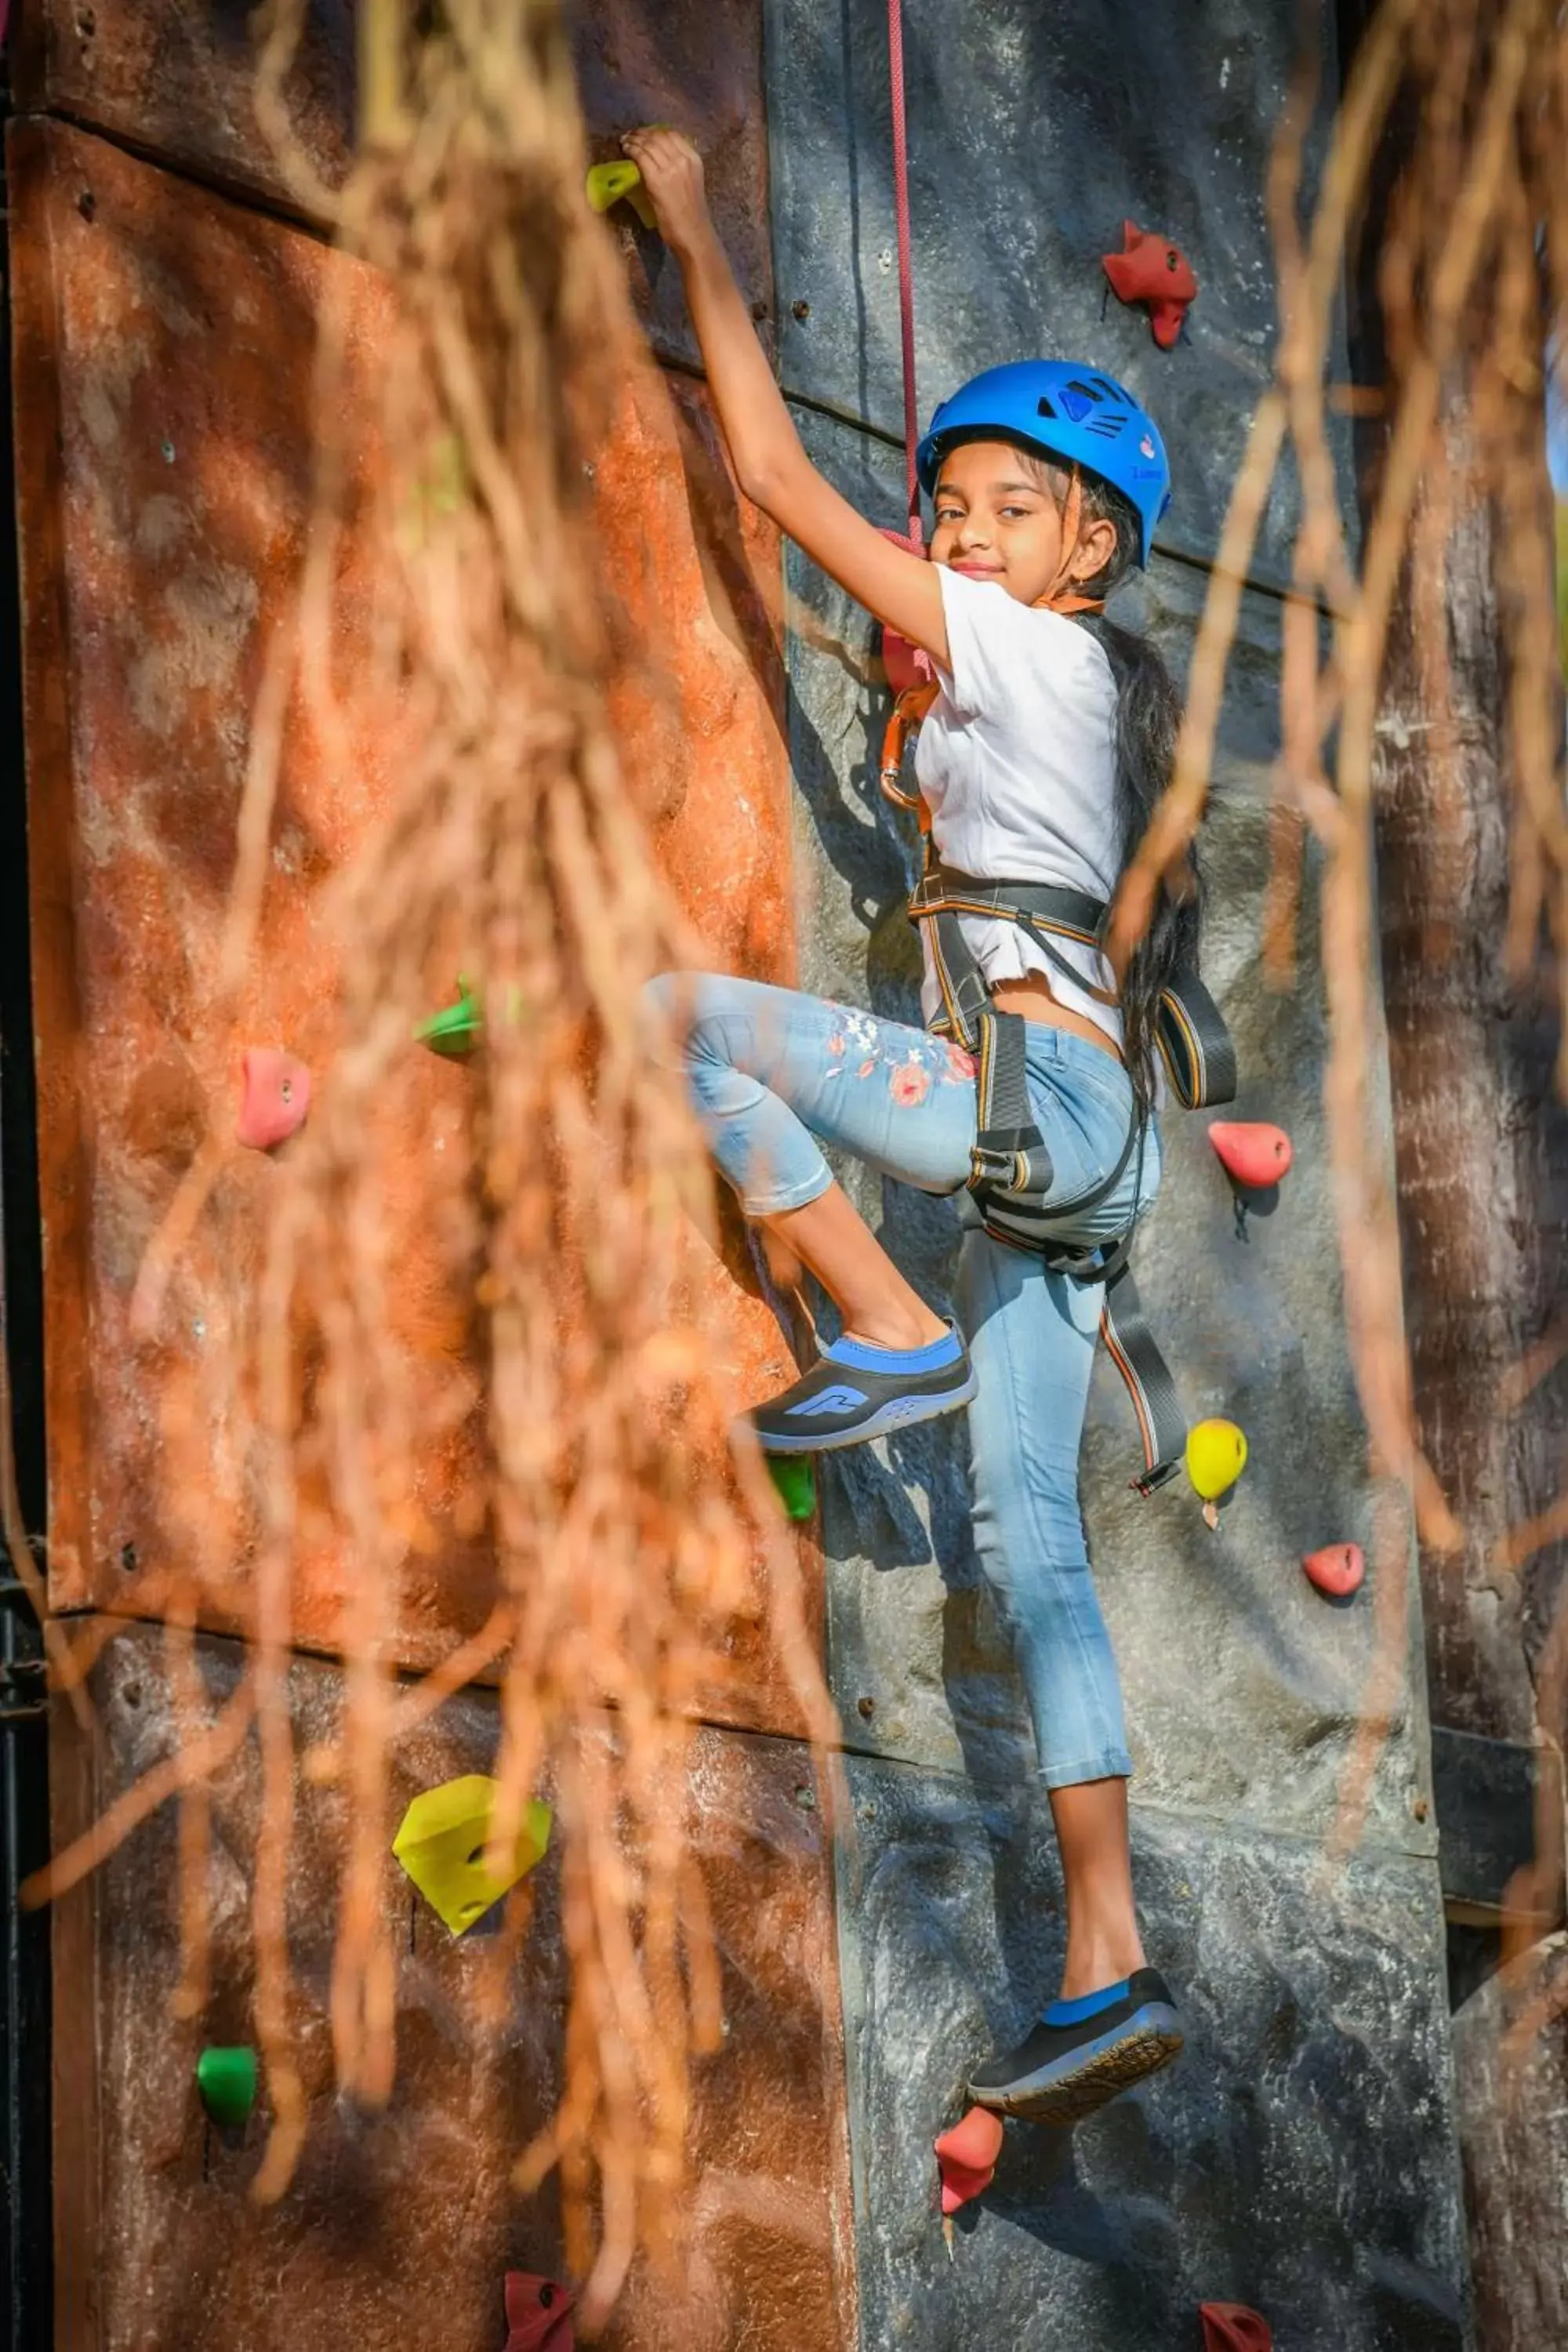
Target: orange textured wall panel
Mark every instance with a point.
(178, 78)
(163, 356)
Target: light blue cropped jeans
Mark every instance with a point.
(770, 1071)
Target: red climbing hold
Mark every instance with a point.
(906, 665)
(1337, 1570)
(1232, 2327)
(538, 2313)
(1149, 269)
(1251, 1153)
(276, 1098)
(967, 2156)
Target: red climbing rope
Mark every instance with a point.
(906, 273)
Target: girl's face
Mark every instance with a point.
(999, 517)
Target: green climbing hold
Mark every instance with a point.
(226, 2081)
(609, 182)
(457, 1030)
(795, 1480)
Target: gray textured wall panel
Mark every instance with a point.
(1243, 1683)
(1034, 130)
(1298, 2157)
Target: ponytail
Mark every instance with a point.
(1148, 716)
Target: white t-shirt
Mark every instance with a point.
(1016, 761)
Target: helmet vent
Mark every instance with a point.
(1043, 408)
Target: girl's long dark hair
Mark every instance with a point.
(1148, 715)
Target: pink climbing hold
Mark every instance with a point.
(967, 2157)
(1232, 2327)
(538, 2315)
(1251, 1153)
(906, 665)
(276, 1097)
(1338, 1569)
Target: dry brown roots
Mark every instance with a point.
(1472, 282)
(568, 1360)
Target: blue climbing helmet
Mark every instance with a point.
(1066, 410)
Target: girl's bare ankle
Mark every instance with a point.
(901, 1331)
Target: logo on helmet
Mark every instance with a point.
(1146, 446)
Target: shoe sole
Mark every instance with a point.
(1080, 2085)
(899, 1413)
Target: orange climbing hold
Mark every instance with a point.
(1251, 1153)
(1232, 2327)
(1338, 1569)
(967, 2157)
(275, 1097)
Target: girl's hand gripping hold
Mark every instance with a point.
(671, 172)
(770, 465)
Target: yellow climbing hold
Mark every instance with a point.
(441, 1844)
(1216, 1456)
(608, 183)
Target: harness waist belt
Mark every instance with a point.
(1011, 1178)
(1194, 1041)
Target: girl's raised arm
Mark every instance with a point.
(765, 450)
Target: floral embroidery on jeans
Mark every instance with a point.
(959, 1066)
(909, 1084)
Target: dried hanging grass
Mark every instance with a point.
(1472, 272)
(627, 1538)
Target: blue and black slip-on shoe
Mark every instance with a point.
(1083, 2052)
(854, 1393)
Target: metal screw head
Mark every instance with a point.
(866, 1707)
(168, 453)
(128, 1559)
(805, 1798)
(801, 309)
(1422, 1809)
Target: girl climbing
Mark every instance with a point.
(1047, 738)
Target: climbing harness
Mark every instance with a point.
(1011, 1173)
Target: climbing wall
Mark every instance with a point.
(1301, 2157)
(164, 319)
